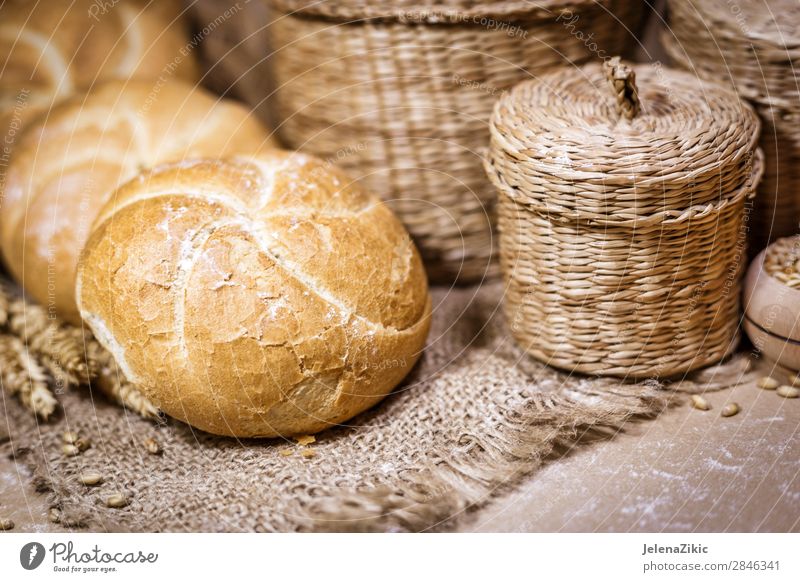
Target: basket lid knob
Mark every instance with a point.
(623, 82)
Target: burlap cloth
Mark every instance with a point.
(473, 418)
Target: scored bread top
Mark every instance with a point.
(257, 296)
(67, 165)
(64, 47)
(54, 49)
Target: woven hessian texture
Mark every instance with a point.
(404, 103)
(755, 46)
(622, 231)
(475, 416)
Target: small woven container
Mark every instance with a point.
(755, 46)
(621, 217)
(400, 94)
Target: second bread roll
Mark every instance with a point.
(255, 297)
(67, 165)
(53, 49)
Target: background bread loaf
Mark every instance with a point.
(52, 49)
(255, 297)
(68, 163)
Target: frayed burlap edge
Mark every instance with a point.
(544, 428)
(540, 429)
(458, 480)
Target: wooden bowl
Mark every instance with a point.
(772, 315)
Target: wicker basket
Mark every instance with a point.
(400, 94)
(755, 46)
(622, 217)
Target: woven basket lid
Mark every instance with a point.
(433, 11)
(606, 144)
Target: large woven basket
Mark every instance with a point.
(755, 46)
(621, 217)
(400, 94)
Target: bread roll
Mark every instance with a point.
(67, 164)
(52, 49)
(255, 297)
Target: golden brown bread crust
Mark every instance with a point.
(255, 297)
(55, 48)
(66, 165)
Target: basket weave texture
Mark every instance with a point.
(621, 217)
(755, 46)
(400, 94)
(429, 11)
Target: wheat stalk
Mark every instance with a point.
(37, 351)
(24, 377)
(112, 382)
(61, 345)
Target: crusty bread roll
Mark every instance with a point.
(255, 297)
(68, 163)
(52, 49)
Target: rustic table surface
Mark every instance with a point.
(687, 470)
